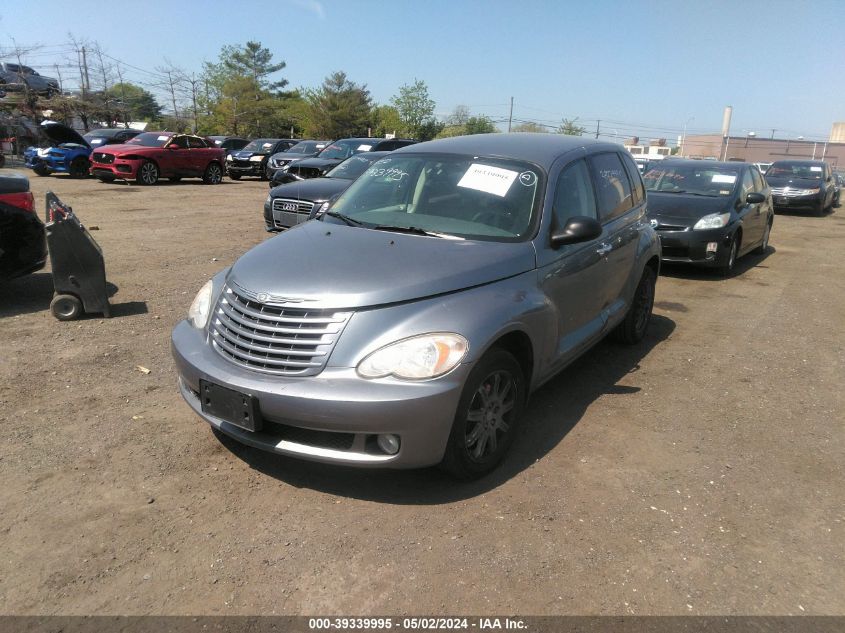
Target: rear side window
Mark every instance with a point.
(758, 179)
(613, 189)
(196, 142)
(574, 194)
(747, 184)
(636, 178)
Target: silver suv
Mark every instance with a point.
(408, 324)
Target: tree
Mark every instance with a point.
(254, 61)
(415, 108)
(386, 120)
(460, 115)
(339, 108)
(529, 126)
(133, 103)
(479, 125)
(570, 128)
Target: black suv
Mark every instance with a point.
(335, 154)
(252, 159)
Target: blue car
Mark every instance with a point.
(70, 150)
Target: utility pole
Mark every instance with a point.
(122, 96)
(59, 73)
(773, 133)
(85, 66)
(510, 116)
(598, 127)
(172, 94)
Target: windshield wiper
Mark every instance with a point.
(406, 229)
(344, 218)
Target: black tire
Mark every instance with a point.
(41, 170)
(213, 174)
(147, 173)
(66, 307)
(79, 167)
(764, 245)
(634, 326)
(175, 178)
(728, 267)
(235, 176)
(820, 209)
(487, 416)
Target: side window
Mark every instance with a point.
(180, 142)
(747, 184)
(613, 190)
(196, 142)
(759, 185)
(636, 178)
(574, 194)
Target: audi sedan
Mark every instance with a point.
(709, 213)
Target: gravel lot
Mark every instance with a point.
(698, 473)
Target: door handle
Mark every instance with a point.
(604, 249)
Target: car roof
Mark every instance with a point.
(541, 149)
(110, 131)
(815, 163)
(736, 165)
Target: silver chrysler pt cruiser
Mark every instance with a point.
(406, 325)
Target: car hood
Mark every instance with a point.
(242, 155)
(353, 267)
(801, 183)
(290, 156)
(685, 208)
(60, 134)
(315, 189)
(319, 163)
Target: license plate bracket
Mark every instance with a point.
(234, 407)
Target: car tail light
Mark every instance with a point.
(22, 200)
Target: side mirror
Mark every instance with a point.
(577, 229)
(755, 198)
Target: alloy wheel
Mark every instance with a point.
(488, 417)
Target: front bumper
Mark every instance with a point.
(120, 168)
(812, 202)
(690, 247)
(251, 169)
(332, 417)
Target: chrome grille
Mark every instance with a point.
(670, 227)
(789, 192)
(103, 158)
(273, 339)
(288, 212)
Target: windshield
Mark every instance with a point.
(150, 139)
(307, 147)
(345, 149)
(260, 145)
(461, 196)
(691, 178)
(788, 169)
(351, 168)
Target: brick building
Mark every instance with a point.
(753, 149)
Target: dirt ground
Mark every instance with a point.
(698, 473)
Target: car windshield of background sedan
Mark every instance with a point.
(788, 169)
(351, 168)
(445, 196)
(345, 149)
(306, 147)
(150, 139)
(692, 179)
(260, 145)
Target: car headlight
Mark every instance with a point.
(201, 307)
(811, 192)
(712, 221)
(416, 358)
(228, 157)
(269, 199)
(256, 159)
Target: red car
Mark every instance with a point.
(23, 247)
(153, 155)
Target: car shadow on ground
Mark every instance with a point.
(742, 266)
(552, 412)
(33, 293)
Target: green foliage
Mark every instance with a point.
(339, 108)
(386, 120)
(254, 61)
(479, 125)
(416, 109)
(133, 103)
(570, 128)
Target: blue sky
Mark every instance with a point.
(645, 67)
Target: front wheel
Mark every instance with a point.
(633, 328)
(728, 267)
(147, 173)
(213, 174)
(78, 167)
(41, 170)
(488, 412)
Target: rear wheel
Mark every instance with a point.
(78, 167)
(213, 174)
(41, 170)
(764, 245)
(633, 328)
(488, 413)
(66, 307)
(147, 173)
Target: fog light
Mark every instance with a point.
(388, 443)
(712, 247)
